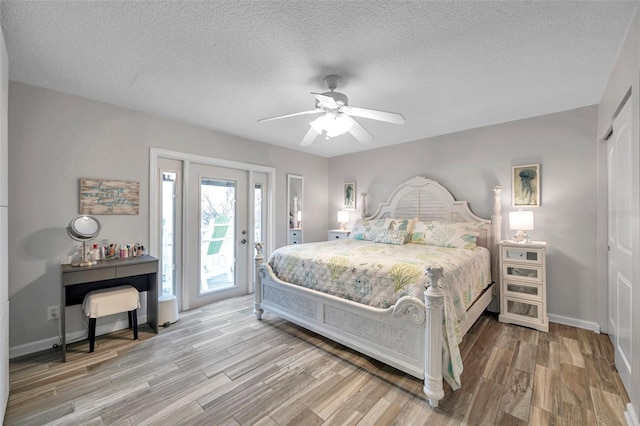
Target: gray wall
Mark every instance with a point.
(56, 138)
(470, 163)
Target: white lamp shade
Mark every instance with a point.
(319, 124)
(334, 124)
(339, 125)
(343, 216)
(521, 220)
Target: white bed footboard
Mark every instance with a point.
(407, 336)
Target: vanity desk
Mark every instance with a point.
(140, 272)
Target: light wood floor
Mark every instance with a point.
(219, 365)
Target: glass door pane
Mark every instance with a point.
(169, 226)
(257, 199)
(168, 282)
(217, 225)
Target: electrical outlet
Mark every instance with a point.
(53, 312)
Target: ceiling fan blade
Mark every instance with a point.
(360, 133)
(309, 137)
(313, 111)
(389, 117)
(325, 100)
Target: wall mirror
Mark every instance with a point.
(295, 197)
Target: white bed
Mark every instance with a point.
(407, 335)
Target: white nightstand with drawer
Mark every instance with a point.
(523, 292)
(295, 236)
(338, 234)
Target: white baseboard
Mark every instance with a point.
(45, 344)
(630, 415)
(588, 325)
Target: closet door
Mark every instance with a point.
(620, 215)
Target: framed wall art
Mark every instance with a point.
(525, 185)
(104, 196)
(350, 196)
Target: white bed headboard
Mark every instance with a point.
(426, 199)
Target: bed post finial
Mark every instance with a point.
(497, 206)
(434, 274)
(257, 290)
(364, 204)
(496, 217)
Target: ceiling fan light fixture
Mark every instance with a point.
(334, 124)
(335, 116)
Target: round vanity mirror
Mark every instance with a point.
(84, 228)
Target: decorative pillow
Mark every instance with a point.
(390, 236)
(369, 229)
(447, 234)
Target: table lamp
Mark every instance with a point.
(521, 221)
(343, 218)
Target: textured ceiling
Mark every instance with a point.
(446, 66)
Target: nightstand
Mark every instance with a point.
(295, 236)
(523, 292)
(338, 234)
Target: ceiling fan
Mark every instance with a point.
(336, 115)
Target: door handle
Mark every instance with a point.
(243, 241)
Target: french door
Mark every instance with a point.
(208, 213)
(217, 230)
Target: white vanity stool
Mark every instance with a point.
(109, 301)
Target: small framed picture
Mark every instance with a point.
(350, 196)
(525, 185)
